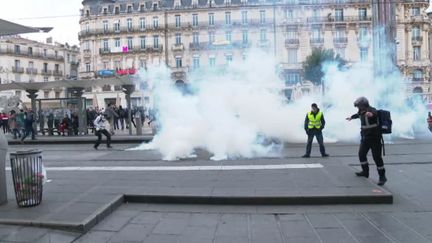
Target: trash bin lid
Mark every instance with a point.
(28, 152)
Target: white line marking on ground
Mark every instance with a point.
(185, 168)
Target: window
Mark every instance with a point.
(292, 56)
(363, 33)
(212, 61)
(86, 45)
(88, 67)
(106, 65)
(45, 52)
(117, 65)
(244, 17)
(292, 78)
(177, 21)
(142, 63)
(129, 9)
(245, 37)
(194, 20)
(17, 64)
(143, 42)
(178, 62)
(30, 51)
(142, 23)
(416, 33)
(340, 35)
(362, 13)
(105, 26)
(18, 93)
(339, 15)
(142, 8)
(105, 45)
(228, 36)
(292, 34)
(211, 19)
(117, 26)
(263, 35)
(315, 14)
(418, 75)
(130, 43)
(415, 11)
(363, 54)
(129, 24)
(45, 67)
(290, 14)
(228, 59)
(316, 34)
(117, 42)
(56, 54)
(416, 53)
(178, 39)
(155, 22)
(87, 27)
(155, 41)
(56, 67)
(262, 17)
(228, 18)
(195, 37)
(211, 37)
(45, 79)
(46, 94)
(196, 62)
(31, 64)
(57, 94)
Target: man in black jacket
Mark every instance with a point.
(371, 138)
(313, 125)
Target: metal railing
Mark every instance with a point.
(109, 51)
(31, 71)
(58, 73)
(317, 40)
(46, 72)
(340, 40)
(292, 41)
(338, 19)
(18, 69)
(33, 54)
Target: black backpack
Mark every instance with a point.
(384, 121)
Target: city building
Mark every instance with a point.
(125, 35)
(24, 60)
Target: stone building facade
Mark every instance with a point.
(24, 60)
(188, 34)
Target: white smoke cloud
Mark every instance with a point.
(238, 111)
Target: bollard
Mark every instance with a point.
(138, 125)
(3, 152)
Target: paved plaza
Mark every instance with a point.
(133, 196)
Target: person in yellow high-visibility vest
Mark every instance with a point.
(313, 125)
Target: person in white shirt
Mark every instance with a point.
(101, 124)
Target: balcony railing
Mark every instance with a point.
(109, 51)
(340, 40)
(417, 39)
(417, 79)
(57, 73)
(338, 19)
(18, 69)
(31, 71)
(317, 40)
(46, 72)
(212, 46)
(292, 41)
(32, 54)
(178, 47)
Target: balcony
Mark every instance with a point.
(417, 79)
(57, 73)
(338, 19)
(340, 40)
(317, 41)
(178, 47)
(17, 69)
(31, 54)
(292, 42)
(31, 71)
(46, 72)
(120, 51)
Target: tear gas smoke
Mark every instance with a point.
(241, 110)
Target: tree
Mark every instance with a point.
(312, 66)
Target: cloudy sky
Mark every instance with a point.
(63, 15)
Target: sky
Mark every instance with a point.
(62, 15)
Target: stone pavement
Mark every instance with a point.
(74, 197)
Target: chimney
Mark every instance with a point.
(49, 40)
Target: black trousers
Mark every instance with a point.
(27, 132)
(318, 134)
(99, 135)
(371, 143)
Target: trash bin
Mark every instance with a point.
(27, 175)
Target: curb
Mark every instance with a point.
(84, 140)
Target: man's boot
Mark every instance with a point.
(365, 170)
(382, 177)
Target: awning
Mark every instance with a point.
(9, 28)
